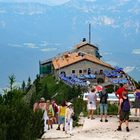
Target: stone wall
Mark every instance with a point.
(81, 66)
(88, 49)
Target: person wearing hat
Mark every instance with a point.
(42, 104)
(68, 118)
(42, 107)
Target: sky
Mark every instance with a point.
(34, 30)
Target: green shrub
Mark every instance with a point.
(100, 80)
(110, 89)
(17, 120)
(112, 109)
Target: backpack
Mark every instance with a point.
(125, 105)
(103, 98)
(55, 108)
(74, 117)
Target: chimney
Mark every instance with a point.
(84, 40)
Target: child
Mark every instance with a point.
(68, 118)
(125, 110)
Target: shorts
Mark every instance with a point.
(61, 120)
(91, 106)
(103, 108)
(124, 116)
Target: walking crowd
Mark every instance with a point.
(64, 115)
(54, 114)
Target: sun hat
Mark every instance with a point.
(42, 99)
(48, 101)
(69, 104)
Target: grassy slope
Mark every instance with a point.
(56, 87)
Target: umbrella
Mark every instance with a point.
(99, 88)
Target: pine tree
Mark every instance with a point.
(45, 92)
(12, 80)
(29, 83)
(23, 86)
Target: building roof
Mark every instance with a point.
(83, 44)
(71, 58)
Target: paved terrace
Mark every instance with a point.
(94, 129)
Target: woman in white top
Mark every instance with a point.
(91, 103)
(42, 106)
(68, 118)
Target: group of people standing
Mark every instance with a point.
(63, 115)
(54, 114)
(92, 103)
(124, 104)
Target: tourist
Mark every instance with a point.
(50, 113)
(46, 118)
(68, 119)
(42, 104)
(42, 107)
(103, 95)
(137, 100)
(125, 111)
(119, 95)
(61, 115)
(55, 108)
(91, 99)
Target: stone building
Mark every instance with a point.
(83, 59)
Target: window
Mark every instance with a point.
(84, 71)
(80, 71)
(73, 71)
(101, 72)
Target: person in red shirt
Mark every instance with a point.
(119, 95)
(119, 91)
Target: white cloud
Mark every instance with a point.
(30, 45)
(122, 2)
(128, 69)
(45, 44)
(15, 45)
(29, 12)
(48, 49)
(107, 20)
(102, 21)
(136, 51)
(48, 2)
(132, 24)
(27, 45)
